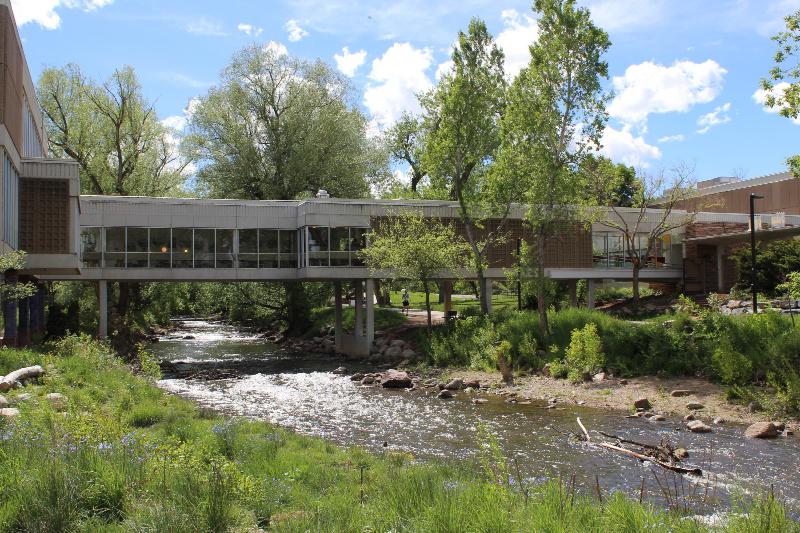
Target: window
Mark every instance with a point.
(288, 248)
(160, 250)
(114, 255)
(10, 203)
(340, 245)
(358, 241)
(318, 240)
(268, 248)
(248, 248)
(136, 246)
(92, 247)
(31, 145)
(224, 239)
(203, 248)
(182, 248)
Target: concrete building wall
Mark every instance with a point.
(781, 193)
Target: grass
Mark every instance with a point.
(127, 457)
(417, 301)
(323, 317)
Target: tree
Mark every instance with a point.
(409, 246)
(406, 143)
(278, 127)
(111, 130)
(553, 123)
(781, 88)
(462, 117)
(609, 183)
(775, 263)
(12, 262)
(652, 217)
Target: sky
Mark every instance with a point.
(685, 74)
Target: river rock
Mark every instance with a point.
(358, 376)
(680, 454)
(395, 379)
(3, 402)
(57, 400)
(9, 412)
(719, 420)
(657, 418)
(473, 384)
(779, 426)
(599, 377)
(445, 394)
(340, 370)
(677, 393)
(546, 370)
(398, 342)
(695, 406)
(368, 380)
(696, 426)
(479, 401)
(642, 403)
(761, 430)
(454, 384)
(393, 352)
(754, 407)
(410, 354)
(430, 383)
(24, 397)
(688, 418)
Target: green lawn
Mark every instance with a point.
(417, 301)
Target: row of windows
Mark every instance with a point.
(31, 143)
(132, 247)
(10, 202)
(609, 250)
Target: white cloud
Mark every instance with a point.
(760, 97)
(626, 15)
(279, 49)
(716, 117)
(651, 88)
(176, 124)
(672, 138)
(43, 12)
(520, 32)
(348, 62)
(395, 80)
(622, 146)
(444, 69)
(249, 29)
(773, 14)
(204, 26)
(295, 31)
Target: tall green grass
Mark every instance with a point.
(106, 466)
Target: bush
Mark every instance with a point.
(585, 353)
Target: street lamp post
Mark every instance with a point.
(753, 287)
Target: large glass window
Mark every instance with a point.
(268, 248)
(182, 247)
(599, 251)
(160, 247)
(137, 245)
(114, 256)
(248, 248)
(318, 246)
(92, 246)
(288, 248)
(224, 248)
(203, 248)
(340, 244)
(358, 241)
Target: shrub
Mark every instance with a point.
(146, 414)
(585, 353)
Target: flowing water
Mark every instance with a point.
(303, 393)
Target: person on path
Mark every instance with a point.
(406, 302)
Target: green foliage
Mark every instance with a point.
(791, 286)
(584, 355)
(147, 363)
(774, 262)
(13, 261)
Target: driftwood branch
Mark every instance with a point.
(22, 374)
(588, 438)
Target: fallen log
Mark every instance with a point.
(678, 469)
(22, 374)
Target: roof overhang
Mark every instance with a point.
(739, 237)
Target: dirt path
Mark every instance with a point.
(621, 394)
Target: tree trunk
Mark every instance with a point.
(381, 295)
(635, 283)
(297, 318)
(485, 298)
(428, 305)
(541, 299)
(440, 285)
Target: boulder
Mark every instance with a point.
(430, 383)
(657, 418)
(445, 394)
(395, 379)
(409, 354)
(479, 401)
(677, 393)
(761, 430)
(688, 418)
(368, 380)
(398, 343)
(623, 382)
(473, 384)
(454, 384)
(696, 426)
(24, 397)
(719, 420)
(3, 402)
(358, 376)
(680, 454)
(753, 406)
(57, 400)
(695, 406)
(9, 413)
(393, 352)
(599, 377)
(780, 426)
(340, 370)
(642, 403)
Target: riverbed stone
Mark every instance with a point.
(368, 380)
(393, 352)
(689, 417)
(697, 426)
(599, 377)
(9, 412)
(398, 342)
(445, 394)
(761, 430)
(479, 401)
(695, 406)
(718, 421)
(642, 403)
(24, 397)
(677, 393)
(657, 418)
(409, 354)
(473, 384)
(3, 402)
(680, 454)
(57, 400)
(779, 426)
(430, 383)
(754, 407)
(395, 379)
(358, 376)
(340, 370)
(454, 384)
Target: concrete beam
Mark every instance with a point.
(370, 329)
(358, 328)
(337, 311)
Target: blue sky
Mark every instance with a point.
(685, 73)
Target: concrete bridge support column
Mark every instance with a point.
(487, 288)
(370, 322)
(24, 322)
(337, 312)
(358, 328)
(38, 323)
(102, 307)
(720, 269)
(447, 288)
(573, 292)
(590, 294)
(10, 314)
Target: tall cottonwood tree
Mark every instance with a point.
(278, 127)
(406, 144)
(553, 121)
(462, 116)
